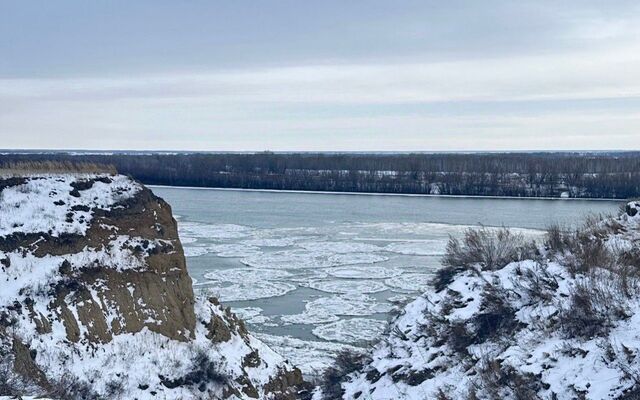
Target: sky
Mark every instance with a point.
(332, 75)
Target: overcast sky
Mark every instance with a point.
(322, 75)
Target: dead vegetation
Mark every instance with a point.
(491, 249)
(15, 169)
(346, 363)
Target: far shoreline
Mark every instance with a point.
(448, 196)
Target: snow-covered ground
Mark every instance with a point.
(562, 325)
(110, 308)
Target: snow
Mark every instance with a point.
(133, 363)
(566, 366)
(27, 275)
(50, 199)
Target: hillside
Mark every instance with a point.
(508, 319)
(96, 301)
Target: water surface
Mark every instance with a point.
(313, 272)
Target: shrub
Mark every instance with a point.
(203, 372)
(490, 249)
(346, 363)
(593, 306)
(537, 283)
(9, 382)
(496, 318)
(444, 276)
(557, 239)
(71, 388)
(504, 381)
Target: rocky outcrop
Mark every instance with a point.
(96, 301)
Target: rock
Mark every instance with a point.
(116, 308)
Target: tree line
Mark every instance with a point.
(573, 174)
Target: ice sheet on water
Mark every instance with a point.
(311, 317)
(252, 315)
(412, 282)
(287, 259)
(235, 250)
(418, 248)
(348, 286)
(247, 313)
(428, 228)
(187, 239)
(339, 247)
(352, 331)
(399, 299)
(360, 272)
(246, 274)
(196, 251)
(251, 290)
(310, 356)
(272, 242)
(356, 258)
(231, 250)
(213, 231)
(327, 309)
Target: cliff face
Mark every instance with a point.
(558, 320)
(96, 301)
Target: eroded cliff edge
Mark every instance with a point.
(96, 301)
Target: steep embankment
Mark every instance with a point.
(96, 301)
(508, 319)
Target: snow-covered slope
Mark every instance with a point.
(558, 322)
(96, 301)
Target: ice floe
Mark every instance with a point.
(355, 330)
(312, 357)
(272, 242)
(251, 290)
(230, 250)
(328, 309)
(286, 259)
(355, 258)
(246, 274)
(213, 231)
(366, 272)
(251, 315)
(412, 282)
(196, 251)
(339, 247)
(418, 248)
(348, 286)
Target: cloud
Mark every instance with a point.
(556, 100)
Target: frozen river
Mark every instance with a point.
(311, 273)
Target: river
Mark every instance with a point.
(312, 273)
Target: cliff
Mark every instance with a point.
(510, 319)
(96, 301)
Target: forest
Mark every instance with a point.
(544, 174)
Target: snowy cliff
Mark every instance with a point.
(507, 319)
(96, 301)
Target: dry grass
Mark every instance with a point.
(10, 169)
(489, 248)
